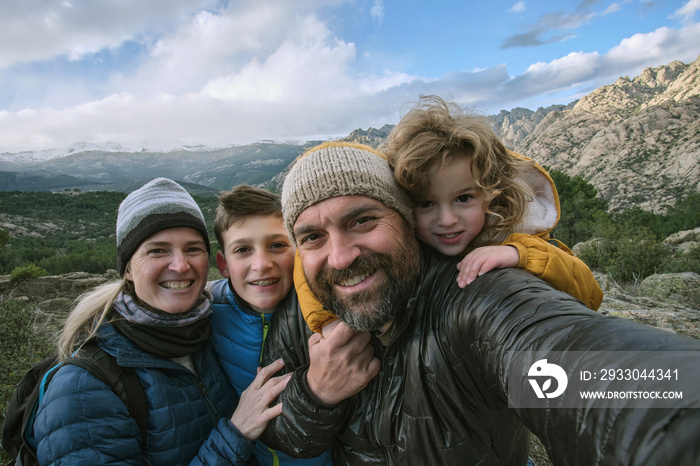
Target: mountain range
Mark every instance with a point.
(637, 141)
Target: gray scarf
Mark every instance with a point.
(163, 334)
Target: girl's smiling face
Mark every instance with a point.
(452, 213)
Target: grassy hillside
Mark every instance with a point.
(67, 231)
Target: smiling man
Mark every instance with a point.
(349, 245)
(445, 356)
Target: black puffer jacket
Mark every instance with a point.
(440, 397)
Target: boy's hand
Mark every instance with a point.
(485, 259)
(328, 328)
(254, 411)
(341, 364)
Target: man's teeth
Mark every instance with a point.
(354, 280)
(176, 285)
(263, 282)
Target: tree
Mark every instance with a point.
(4, 237)
(581, 209)
(684, 215)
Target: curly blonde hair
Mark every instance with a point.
(434, 132)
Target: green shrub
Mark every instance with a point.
(628, 255)
(20, 347)
(27, 272)
(684, 215)
(689, 262)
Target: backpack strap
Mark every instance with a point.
(123, 381)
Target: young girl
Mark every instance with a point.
(473, 197)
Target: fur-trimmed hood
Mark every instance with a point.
(542, 214)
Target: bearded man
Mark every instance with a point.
(418, 371)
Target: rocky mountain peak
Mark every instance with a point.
(636, 140)
(683, 86)
(372, 137)
(626, 94)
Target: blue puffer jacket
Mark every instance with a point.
(81, 421)
(238, 337)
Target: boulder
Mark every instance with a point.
(686, 236)
(684, 241)
(586, 245)
(680, 287)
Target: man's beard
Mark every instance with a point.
(369, 310)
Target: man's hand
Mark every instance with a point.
(485, 259)
(341, 365)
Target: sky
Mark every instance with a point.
(161, 74)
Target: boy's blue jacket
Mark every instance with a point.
(238, 336)
(82, 421)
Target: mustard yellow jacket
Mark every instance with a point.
(542, 256)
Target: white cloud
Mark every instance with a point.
(558, 74)
(518, 8)
(651, 49)
(240, 74)
(687, 12)
(309, 66)
(271, 70)
(32, 30)
(302, 67)
(377, 11)
(212, 45)
(580, 71)
(613, 8)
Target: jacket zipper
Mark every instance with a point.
(205, 394)
(266, 328)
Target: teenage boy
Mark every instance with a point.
(257, 261)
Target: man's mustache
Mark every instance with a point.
(363, 265)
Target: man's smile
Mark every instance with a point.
(352, 281)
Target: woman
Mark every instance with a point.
(156, 319)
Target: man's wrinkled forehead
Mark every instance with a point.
(340, 210)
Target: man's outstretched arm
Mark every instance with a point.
(506, 314)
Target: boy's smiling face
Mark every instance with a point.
(258, 257)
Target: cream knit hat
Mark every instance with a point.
(336, 169)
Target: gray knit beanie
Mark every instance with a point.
(336, 169)
(158, 205)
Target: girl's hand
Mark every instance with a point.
(254, 410)
(485, 259)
